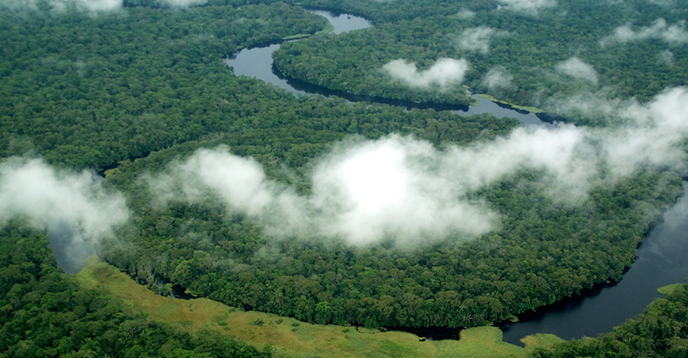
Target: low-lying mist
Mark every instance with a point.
(396, 189)
(86, 6)
(74, 208)
(444, 73)
(408, 191)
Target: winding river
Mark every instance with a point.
(257, 62)
(660, 259)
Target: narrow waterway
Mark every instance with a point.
(69, 248)
(661, 259)
(257, 62)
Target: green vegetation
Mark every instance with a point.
(482, 342)
(667, 290)
(660, 331)
(358, 68)
(93, 91)
(290, 338)
(127, 93)
(327, 29)
(295, 37)
(188, 100)
(46, 314)
(523, 47)
(524, 108)
(548, 251)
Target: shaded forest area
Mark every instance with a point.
(514, 56)
(44, 313)
(660, 331)
(92, 91)
(87, 91)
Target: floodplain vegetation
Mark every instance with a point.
(524, 55)
(131, 91)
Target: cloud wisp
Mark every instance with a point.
(444, 73)
(183, 3)
(498, 79)
(363, 192)
(576, 68)
(675, 34)
(531, 7)
(477, 39)
(74, 208)
(465, 14)
(666, 58)
(407, 191)
(87, 6)
(60, 6)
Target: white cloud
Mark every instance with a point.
(393, 187)
(636, 134)
(89, 6)
(444, 73)
(675, 34)
(666, 57)
(405, 190)
(477, 39)
(58, 6)
(98, 5)
(183, 3)
(528, 6)
(72, 205)
(465, 14)
(576, 68)
(497, 79)
(655, 136)
(362, 193)
(662, 2)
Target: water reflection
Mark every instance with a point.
(69, 248)
(661, 260)
(257, 62)
(487, 106)
(661, 257)
(343, 22)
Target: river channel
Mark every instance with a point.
(660, 259)
(257, 62)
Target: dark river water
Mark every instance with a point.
(257, 62)
(68, 247)
(661, 259)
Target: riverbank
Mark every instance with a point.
(512, 105)
(660, 260)
(588, 314)
(292, 338)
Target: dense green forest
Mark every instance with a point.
(46, 314)
(660, 331)
(144, 87)
(543, 253)
(518, 56)
(94, 91)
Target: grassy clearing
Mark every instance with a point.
(327, 29)
(295, 37)
(287, 336)
(665, 290)
(544, 340)
(480, 342)
(515, 106)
